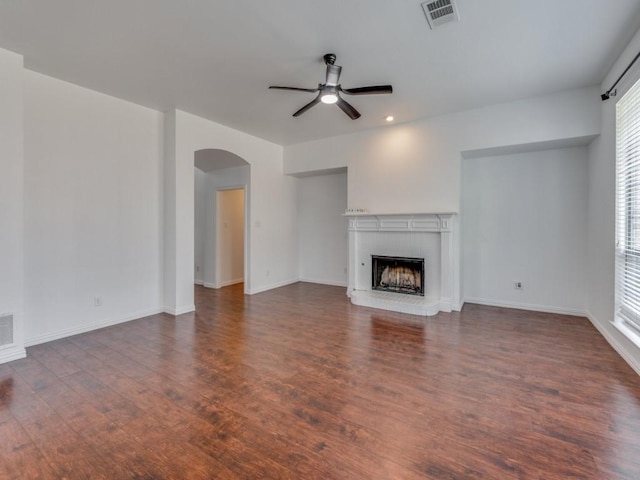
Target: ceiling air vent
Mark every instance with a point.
(439, 12)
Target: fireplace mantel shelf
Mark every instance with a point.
(406, 222)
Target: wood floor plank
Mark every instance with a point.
(21, 459)
(68, 454)
(298, 383)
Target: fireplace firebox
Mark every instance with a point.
(398, 274)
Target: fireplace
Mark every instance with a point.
(397, 274)
(426, 237)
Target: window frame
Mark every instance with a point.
(627, 214)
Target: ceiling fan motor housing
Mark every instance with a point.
(330, 58)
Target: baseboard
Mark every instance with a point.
(198, 282)
(525, 306)
(11, 353)
(68, 332)
(632, 359)
(228, 283)
(332, 283)
(180, 310)
(445, 305)
(265, 288)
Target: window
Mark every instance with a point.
(628, 213)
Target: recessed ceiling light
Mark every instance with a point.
(389, 118)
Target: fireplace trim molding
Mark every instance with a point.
(443, 224)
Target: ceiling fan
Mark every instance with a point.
(329, 91)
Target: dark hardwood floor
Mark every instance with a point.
(296, 383)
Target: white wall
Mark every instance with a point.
(601, 220)
(171, 229)
(419, 162)
(524, 218)
(199, 178)
(230, 236)
(273, 240)
(93, 209)
(322, 229)
(11, 200)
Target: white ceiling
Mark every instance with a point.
(216, 58)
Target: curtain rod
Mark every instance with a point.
(606, 95)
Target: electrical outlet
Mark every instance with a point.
(197, 268)
(97, 301)
(518, 285)
(268, 272)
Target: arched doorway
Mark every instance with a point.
(221, 199)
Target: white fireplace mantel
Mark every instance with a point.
(432, 236)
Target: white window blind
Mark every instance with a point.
(628, 209)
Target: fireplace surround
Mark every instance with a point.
(428, 236)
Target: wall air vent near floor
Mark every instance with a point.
(6, 329)
(439, 12)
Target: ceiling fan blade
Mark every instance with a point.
(307, 106)
(368, 90)
(312, 90)
(348, 109)
(333, 75)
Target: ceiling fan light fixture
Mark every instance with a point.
(329, 98)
